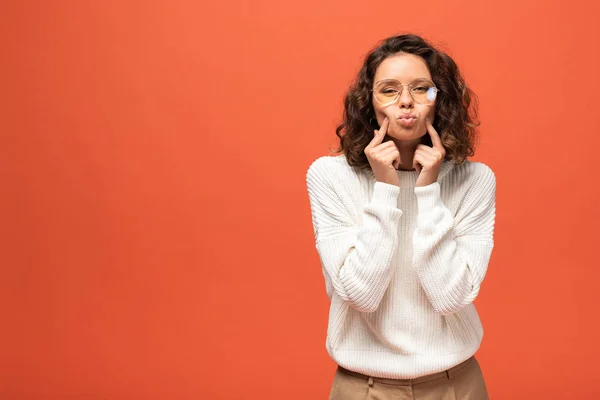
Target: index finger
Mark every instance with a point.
(379, 134)
(435, 138)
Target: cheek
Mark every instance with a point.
(382, 112)
(378, 116)
(427, 111)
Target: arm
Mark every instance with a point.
(356, 261)
(451, 257)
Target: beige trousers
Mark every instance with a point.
(462, 382)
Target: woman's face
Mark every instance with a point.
(407, 117)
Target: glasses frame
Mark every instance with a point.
(410, 86)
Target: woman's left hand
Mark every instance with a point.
(428, 160)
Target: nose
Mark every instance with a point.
(405, 100)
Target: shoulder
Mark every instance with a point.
(474, 183)
(483, 177)
(472, 173)
(330, 169)
(329, 163)
(331, 180)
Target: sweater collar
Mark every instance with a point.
(408, 179)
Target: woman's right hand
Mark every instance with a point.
(384, 158)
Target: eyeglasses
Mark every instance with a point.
(388, 91)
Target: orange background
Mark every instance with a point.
(156, 233)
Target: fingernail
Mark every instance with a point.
(385, 119)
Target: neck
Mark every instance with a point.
(407, 150)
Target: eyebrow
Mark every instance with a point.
(396, 80)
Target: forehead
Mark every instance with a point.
(402, 67)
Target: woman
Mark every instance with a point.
(404, 228)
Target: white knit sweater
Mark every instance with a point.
(402, 265)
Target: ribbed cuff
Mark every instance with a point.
(385, 194)
(428, 197)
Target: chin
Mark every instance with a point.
(405, 133)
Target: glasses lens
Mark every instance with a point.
(424, 92)
(387, 91)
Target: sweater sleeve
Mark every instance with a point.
(451, 256)
(356, 261)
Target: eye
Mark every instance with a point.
(420, 89)
(389, 90)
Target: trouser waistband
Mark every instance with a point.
(449, 373)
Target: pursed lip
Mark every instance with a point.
(407, 116)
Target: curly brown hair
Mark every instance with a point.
(456, 105)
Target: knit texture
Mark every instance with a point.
(402, 264)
